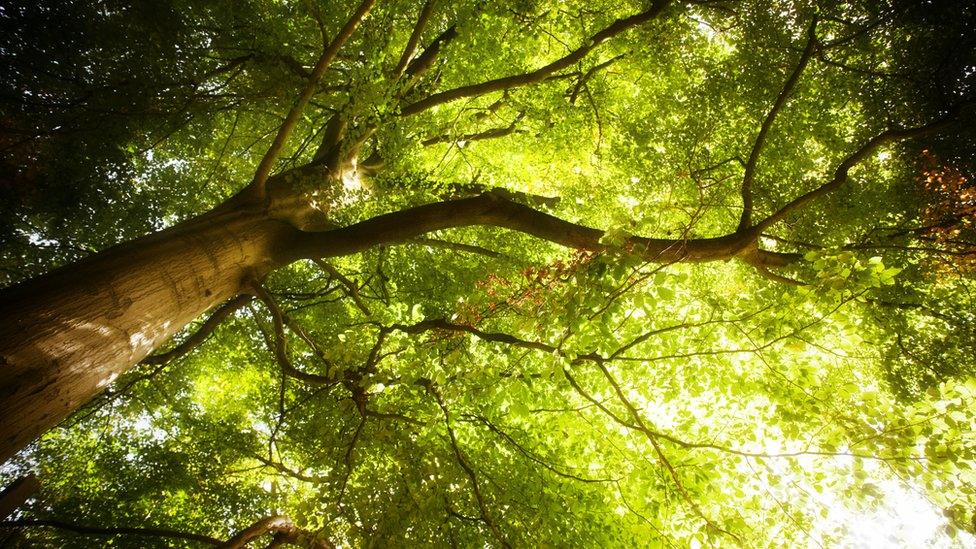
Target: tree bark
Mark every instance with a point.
(65, 335)
(16, 494)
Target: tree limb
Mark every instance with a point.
(284, 530)
(636, 416)
(458, 246)
(280, 348)
(750, 169)
(257, 185)
(492, 133)
(289, 472)
(109, 531)
(351, 289)
(422, 63)
(540, 74)
(493, 210)
(532, 456)
(463, 462)
(589, 74)
(411, 48)
(841, 173)
(201, 334)
(347, 457)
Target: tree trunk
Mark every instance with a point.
(66, 335)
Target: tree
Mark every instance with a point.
(772, 333)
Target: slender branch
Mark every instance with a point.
(463, 462)
(841, 173)
(198, 337)
(540, 74)
(458, 246)
(600, 405)
(636, 416)
(589, 74)
(592, 356)
(508, 339)
(532, 456)
(750, 169)
(411, 49)
(347, 457)
(287, 471)
(108, 531)
(495, 337)
(279, 346)
(257, 185)
(490, 109)
(493, 133)
(315, 12)
(453, 512)
(923, 309)
(303, 335)
(351, 289)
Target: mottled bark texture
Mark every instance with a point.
(66, 335)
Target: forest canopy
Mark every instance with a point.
(459, 273)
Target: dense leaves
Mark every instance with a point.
(482, 387)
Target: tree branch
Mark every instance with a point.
(540, 74)
(492, 133)
(463, 462)
(108, 531)
(750, 169)
(458, 246)
(351, 289)
(411, 48)
(422, 63)
(636, 416)
(532, 456)
(198, 337)
(841, 173)
(589, 74)
(508, 339)
(347, 457)
(289, 472)
(493, 210)
(495, 337)
(283, 529)
(257, 185)
(279, 346)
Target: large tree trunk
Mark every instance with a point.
(66, 335)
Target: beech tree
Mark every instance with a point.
(447, 273)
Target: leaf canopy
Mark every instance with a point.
(482, 387)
